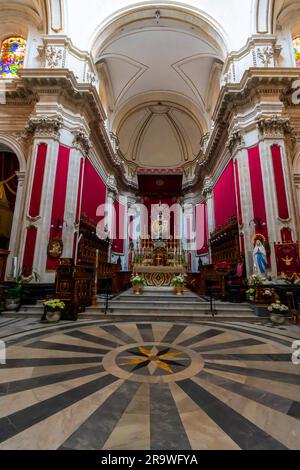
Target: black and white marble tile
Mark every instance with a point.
(161, 386)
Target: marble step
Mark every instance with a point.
(171, 316)
(165, 305)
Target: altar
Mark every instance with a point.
(160, 276)
(158, 261)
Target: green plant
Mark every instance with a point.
(54, 305)
(178, 281)
(251, 292)
(16, 290)
(255, 280)
(137, 280)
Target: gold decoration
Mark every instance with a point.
(55, 248)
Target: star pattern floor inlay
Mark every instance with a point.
(148, 385)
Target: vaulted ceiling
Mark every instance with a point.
(17, 15)
(161, 77)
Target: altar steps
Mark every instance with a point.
(163, 304)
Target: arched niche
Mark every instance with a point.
(12, 176)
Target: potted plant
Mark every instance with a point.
(278, 312)
(178, 284)
(13, 293)
(138, 282)
(53, 310)
(251, 294)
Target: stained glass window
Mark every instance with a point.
(296, 44)
(12, 56)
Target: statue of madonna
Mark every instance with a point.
(260, 258)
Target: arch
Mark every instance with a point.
(16, 148)
(142, 11)
(10, 146)
(170, 99)
(21, 16)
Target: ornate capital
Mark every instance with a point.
(208, 186)
(111, 185)
(44, 126)
(274, 126)
(81, 141)
(235, 140)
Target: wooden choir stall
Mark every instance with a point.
(225, 277)
(78, 283)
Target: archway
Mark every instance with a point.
(9, 166)
(15, 169)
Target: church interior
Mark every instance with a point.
(149, 225)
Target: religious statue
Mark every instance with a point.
(260, 258)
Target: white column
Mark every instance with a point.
(210, 208)
(71, 202)
(247, 228)
(43, 224)
(110, 218)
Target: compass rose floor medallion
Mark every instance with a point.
(160, 386)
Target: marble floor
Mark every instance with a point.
(160, 386)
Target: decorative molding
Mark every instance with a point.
(111, 185)
(266, 55)
(235, 141)
(274, 126)
(59, 52)
(54, 57)
(208, 186)
(260, 51)
(81, 141)
(44, 126)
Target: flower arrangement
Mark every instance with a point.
(54, 305)
(138, 280)
(251, 292)
(278, 307)
(178, 281)
(255, 280)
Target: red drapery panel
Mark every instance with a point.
(37, 186)
(119, 228)
(283, 210)
(93, 193)
(238, 192)
(257, 188)
(201, 229)
(59, 199)
(9, 164)
(286, 235)
(29, 250)
(224, 196)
